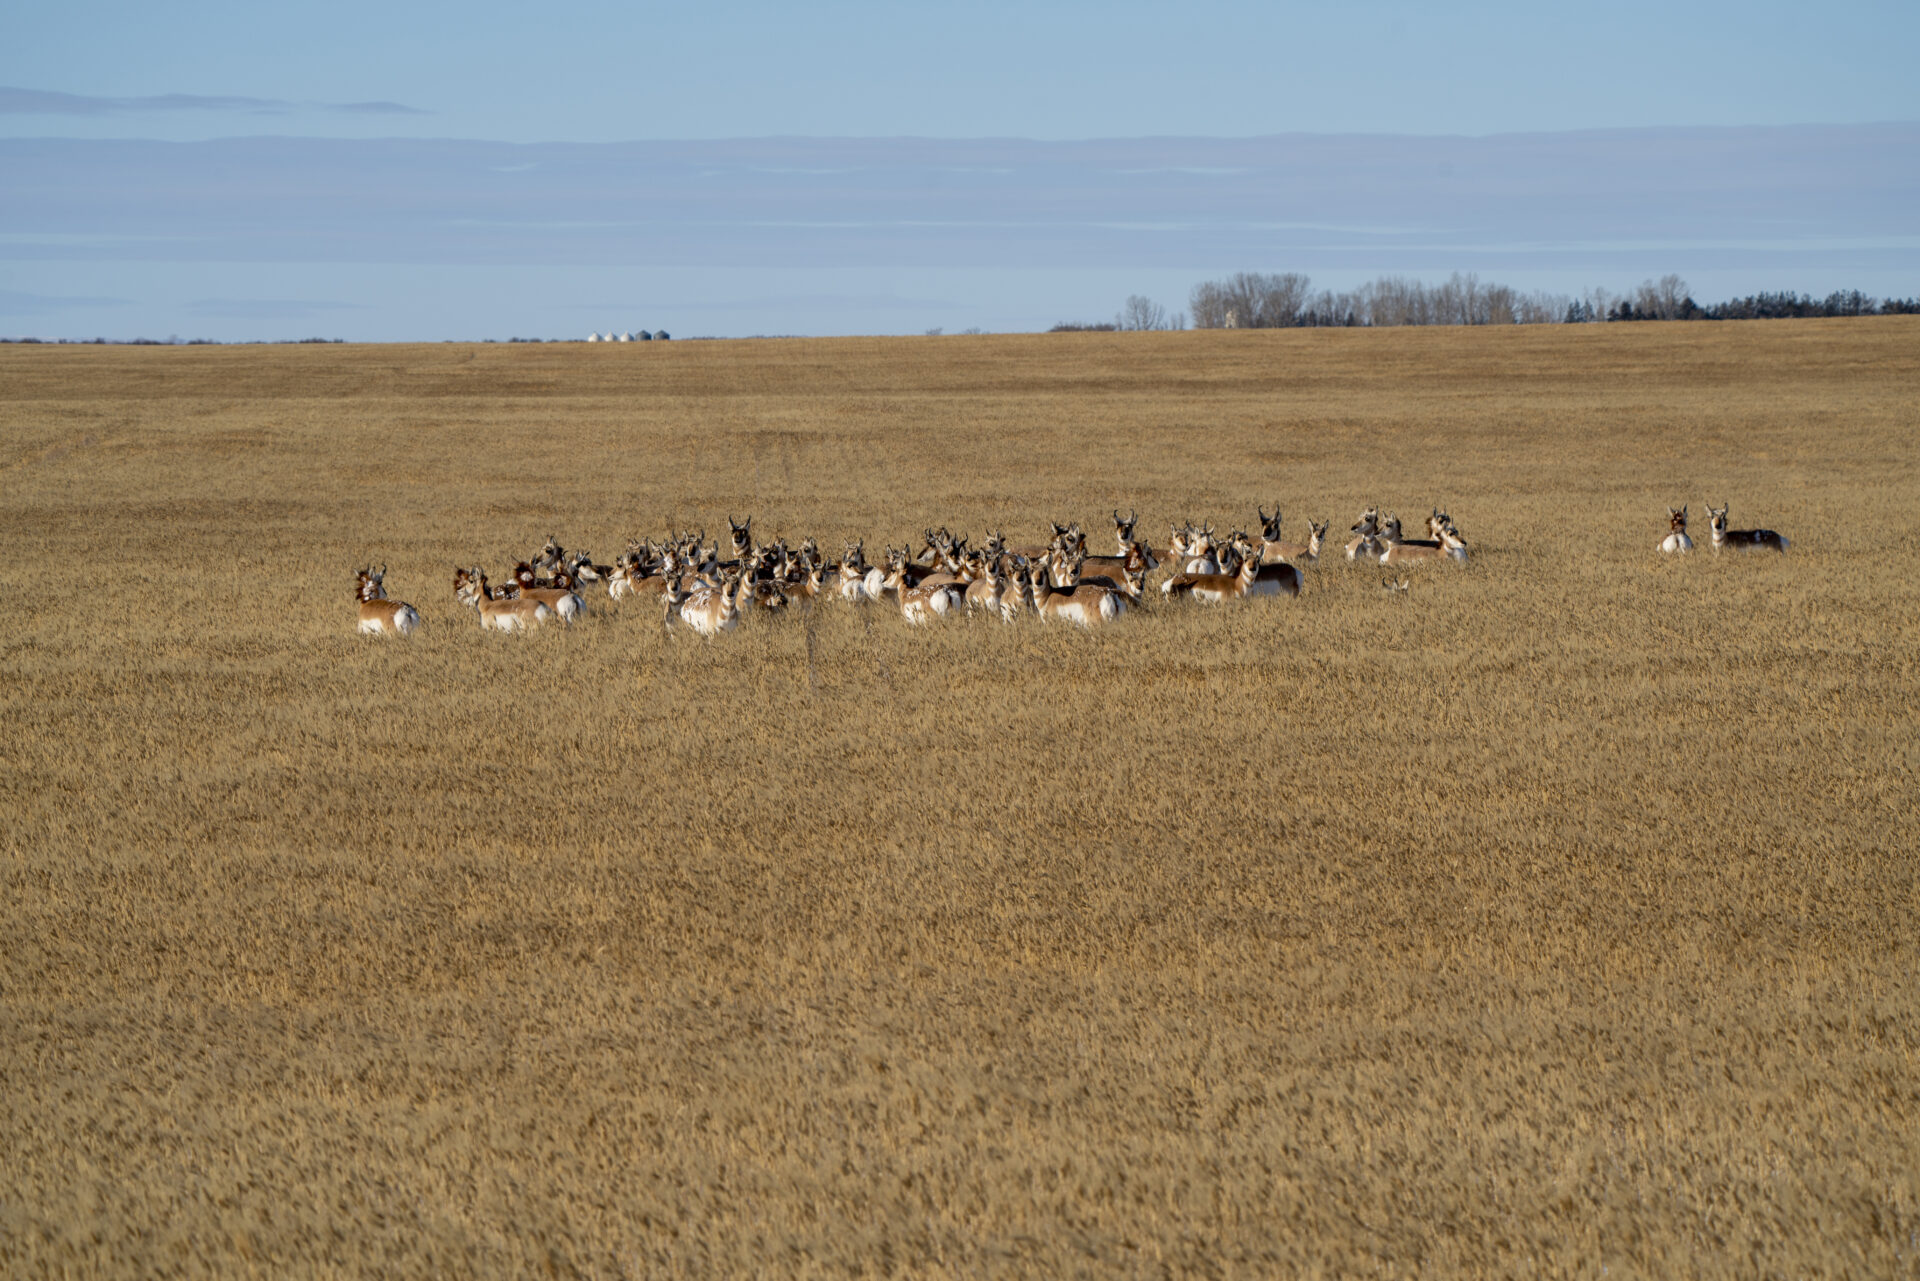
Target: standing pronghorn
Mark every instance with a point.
(378, 615)
(1741, 540)
(1677, 540)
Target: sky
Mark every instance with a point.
(423, 171)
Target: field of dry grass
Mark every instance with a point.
(1556, 916)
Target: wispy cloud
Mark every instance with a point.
(813, 302)
(267, 308)
(46, 102)
(15, 303)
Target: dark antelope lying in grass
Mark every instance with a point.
(1741, 540)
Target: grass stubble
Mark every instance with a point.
(1555, 916)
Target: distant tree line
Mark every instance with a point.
(1256, 300)
(1661, 305)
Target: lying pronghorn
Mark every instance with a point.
(1390, 532)
(1000, 588)
(740, 537)
(1677, 540)
(581, 569)
(1271, 578)
(1273, 549)
(506, 614)
(712, 610)
(1123, 535)
(1741, 540)
(1449, 546)
(857, 581)
(1216, 587)
(1192, 550)
(1366, 536)
(1125, 573)
(377, 613)
(809, 586)
(558, 596)
(1084, 605)
(926, 602)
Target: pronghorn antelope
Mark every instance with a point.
(1132, 580)
(1366, 535)
(550, 556)
(1451, 547)
(757, 592)
(506, 614)
(741, 536)
(1272, 549)
(1125, 573)
(1123, 536)
(630, 570)
(1084, 605)
(558, 597)
(1390, 532)
(1193, 551)
(809, 587)
(1016, 594)
(377, 613)
(1677, 540)
(1216, 587)
(926, 602)
(1201, 555)
(581, 569)
(856, 582)
(988, 590)
(1741, 540)
(1270, 534)
(1276, 578)
(712, 610)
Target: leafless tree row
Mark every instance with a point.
(1253, 300)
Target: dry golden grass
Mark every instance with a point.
(1555, 916)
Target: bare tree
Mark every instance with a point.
(1208, 302)
(1251, 300)
(1662, 298)
(1141, 314)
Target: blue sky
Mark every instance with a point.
(901, 237)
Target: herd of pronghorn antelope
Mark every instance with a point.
(709, 587)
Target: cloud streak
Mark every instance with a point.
(1665, 198)
(17, 303)
(267, 308)
(46, 102)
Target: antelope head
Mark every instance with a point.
(1270, 525)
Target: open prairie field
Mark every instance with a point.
(1554, 916)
